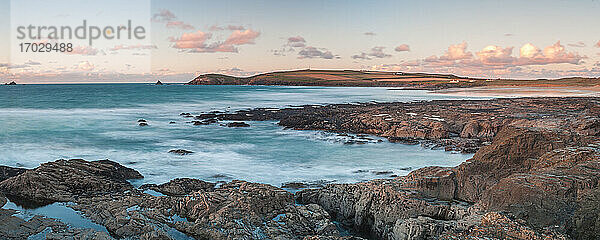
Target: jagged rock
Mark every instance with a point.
(159, 83)
(181, 152)
(236, 210)
(143, 124)
(495, 225)
(66, 180)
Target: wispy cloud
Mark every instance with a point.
(375, 52)
(170, 20)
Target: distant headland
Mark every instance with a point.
(353, 78)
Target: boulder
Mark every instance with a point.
(67, 180)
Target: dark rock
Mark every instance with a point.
(66, 180)
(382, 172)
(159, 83)
(11, 83)
(206, 116)
(141, 120)
(172, 122)
(181, 152)
(180, 187)
(143, 124)
(8, 172)
(238, 124)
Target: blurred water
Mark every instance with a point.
(41, 123)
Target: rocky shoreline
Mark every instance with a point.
(534, 175)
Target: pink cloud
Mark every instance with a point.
(492, 59)
(239, 37)
(179, 24)
(598, 44)
(197, 41)
(457, 52)
(402, 48)
(191, 40)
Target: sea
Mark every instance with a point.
(46, 122)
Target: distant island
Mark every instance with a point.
(353, 78)
(11, 83)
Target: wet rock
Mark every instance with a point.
(238, 124)
(382, 172)
(180, 187)
(141, 120)
(172, 122)
(66, 180)
(158, 83)
(236, 210)
(181, 152)
(206, 116)
(143, 124)
(11, 83)
(8, 172)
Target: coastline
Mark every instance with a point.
(513, 139)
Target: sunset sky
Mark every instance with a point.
(516, 39)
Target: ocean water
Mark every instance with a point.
(42, 123)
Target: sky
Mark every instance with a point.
(489, 39)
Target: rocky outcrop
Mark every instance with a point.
(543, 178)
(66, 180)
(236, 210)
(187, 208)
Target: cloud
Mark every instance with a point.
(577, 44)
(130, 47)
(196, 42)
(312, 52)
(597, 44)
(370, 34)
(491, 60)
(239, 37)
(236, 72)
(556, 53)
(234, 28)
(215, 28)
(168, 17)
(457, 52)
(375, 52)
(179, 24)
(84, 66)
(508, 34)
(191, 40)
(495, 55)
(299, 44)
(163, 15)
(83, 50)
(402, 48)
(30, 63)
